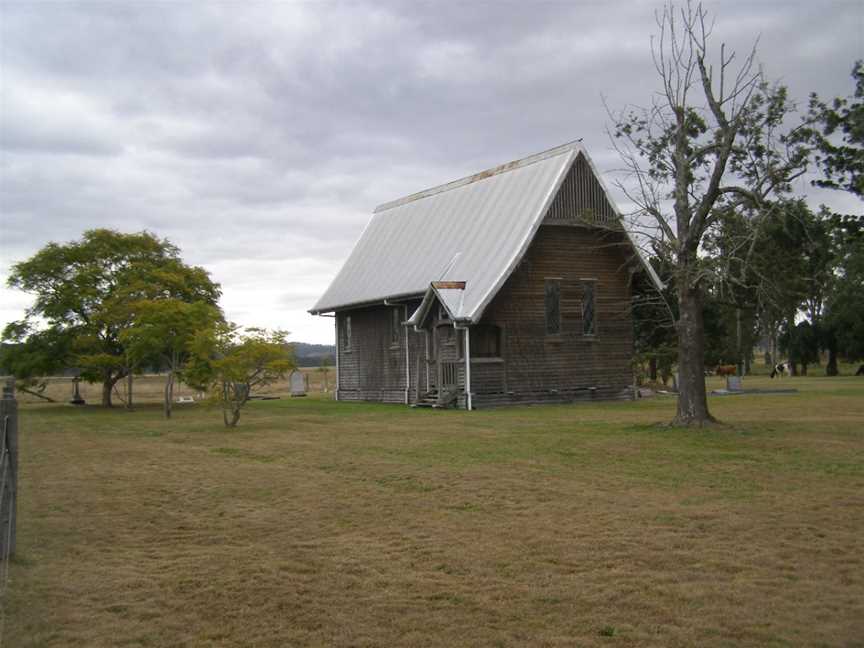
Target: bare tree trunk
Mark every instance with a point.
(831, 367)
(235, 416)
(739, 348)
(129, 391)
(692, 398)
(169, 394)
(234, 397)
(108, 382)
(652, 368)
(107, 387)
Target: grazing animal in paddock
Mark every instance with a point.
(779, 370)
(726, 370)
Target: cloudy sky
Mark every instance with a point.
(259, 136)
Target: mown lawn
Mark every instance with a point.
(318, 523)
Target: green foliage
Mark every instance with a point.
(86, 293)
(654, 317)
(232, 364)
(32, 353)
(162, 333)
(841, 161)
(845, 306)
(163, 329)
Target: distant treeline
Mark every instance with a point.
(305, 355)
(311, 355)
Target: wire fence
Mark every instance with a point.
(8, 491)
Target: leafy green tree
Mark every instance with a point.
(714, 136)
(232, 364)
(801, 343)
(85, 294)
(163, 331)
(840, 141)
(654, 315)
(41, 355)
(844, 308)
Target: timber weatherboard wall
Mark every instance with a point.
(373, 368)
(538, 366)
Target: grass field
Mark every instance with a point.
(331, 524)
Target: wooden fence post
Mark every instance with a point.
(8, 468)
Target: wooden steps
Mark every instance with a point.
(436, 401)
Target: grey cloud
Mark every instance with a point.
(260, 137)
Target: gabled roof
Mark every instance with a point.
(474, 230)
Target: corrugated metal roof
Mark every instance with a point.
(473, 230)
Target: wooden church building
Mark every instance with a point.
(512, 285)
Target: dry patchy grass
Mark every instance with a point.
(333, 524)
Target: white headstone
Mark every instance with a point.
(298, 383)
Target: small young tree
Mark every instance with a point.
(711, 138)
(232, 364)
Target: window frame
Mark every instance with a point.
(559, 323)
(592, 282)
(473, 331)
(346, 334)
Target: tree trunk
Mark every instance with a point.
(107, 386)
(831, 367)
(110, 379)
(129, 391)
(231, 421)
(169, 394)
(793, 368)
(652, 368)
(692, 399)
(739, 347)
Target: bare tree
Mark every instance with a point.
(712, 137)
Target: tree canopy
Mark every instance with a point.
(232, 363)
(840, 141)
(86, 294)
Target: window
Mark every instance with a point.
(346, 333)
(588, 308)
(485, 342)
(553, 306)
(395, 326)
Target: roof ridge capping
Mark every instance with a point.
(488, 173)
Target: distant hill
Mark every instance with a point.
(310, 355)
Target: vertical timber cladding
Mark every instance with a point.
(581, 199)
(372, 361)
(557, 366)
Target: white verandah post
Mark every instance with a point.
(407, 360)
(468, 368)
(336, 324)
